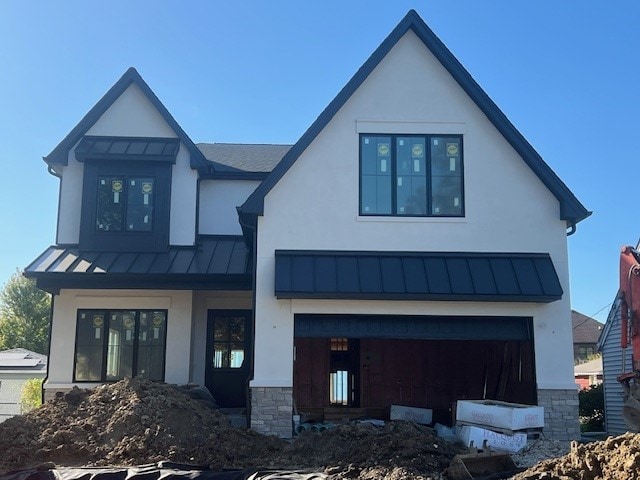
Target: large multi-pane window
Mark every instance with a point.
(114, 344)
(411, 175)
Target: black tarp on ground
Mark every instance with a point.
(160, 471)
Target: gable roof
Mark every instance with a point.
(131, 76)
(585, 329)
(571, 209)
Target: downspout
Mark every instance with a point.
(53, 297)
(572, 228)
(46, 377)
(254, 268)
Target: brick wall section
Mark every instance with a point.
(272, 410)
(560, 413)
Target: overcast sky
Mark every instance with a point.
(564, 72)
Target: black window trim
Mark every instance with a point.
(125, 202)
(155, 240)
(246, 333)
(428, 137)
(105, 341)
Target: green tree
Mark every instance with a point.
(31, 396)
(24, 315)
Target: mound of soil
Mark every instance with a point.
(614, 458)
(134, 422)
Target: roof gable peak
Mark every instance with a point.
(571, 210)
(59, 155)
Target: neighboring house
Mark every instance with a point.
(16, 367)
(409, 249)
(586, 332)
(612, 366)
(589, 373)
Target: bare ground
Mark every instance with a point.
(135, 422)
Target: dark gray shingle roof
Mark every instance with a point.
(585, 329)
(243, 157)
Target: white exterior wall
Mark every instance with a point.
(315, 206)
(184, 187)
(70, 201)
(131, 115)
(179, 304)
(218, 202)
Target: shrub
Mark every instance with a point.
(31, 396)
(591, 409)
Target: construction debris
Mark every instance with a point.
(136, 422)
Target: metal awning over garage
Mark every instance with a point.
(490, 277)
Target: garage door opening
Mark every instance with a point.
(348, 376)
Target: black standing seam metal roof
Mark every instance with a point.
(131, 76)
(216, 258)
(127, 148)
(571, 209)
(515, 277)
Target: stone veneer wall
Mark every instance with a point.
(50, 393)
(272, 410)
(560, 413)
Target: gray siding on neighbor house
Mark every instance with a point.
(612, 367)
(10, 392)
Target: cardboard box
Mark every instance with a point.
(411, 414)
(476, 437)
(491, 413)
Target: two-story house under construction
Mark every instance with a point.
(410, 248)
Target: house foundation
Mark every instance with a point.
(272, 410)
(560, 413)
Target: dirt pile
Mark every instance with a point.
(614, 458)
(126, 423)
(135, 422)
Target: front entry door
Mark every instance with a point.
(228, 356)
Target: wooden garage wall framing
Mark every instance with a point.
(420, 372)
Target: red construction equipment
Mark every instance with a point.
(630, 334)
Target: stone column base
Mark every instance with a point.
(50, 393)
(560, 413)
(272, 410)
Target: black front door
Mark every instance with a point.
(228, 356)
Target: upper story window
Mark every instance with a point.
(126, 192)
(125, 204)
(411, 175)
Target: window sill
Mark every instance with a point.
(399, 219)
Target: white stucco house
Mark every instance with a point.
(410, 248)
